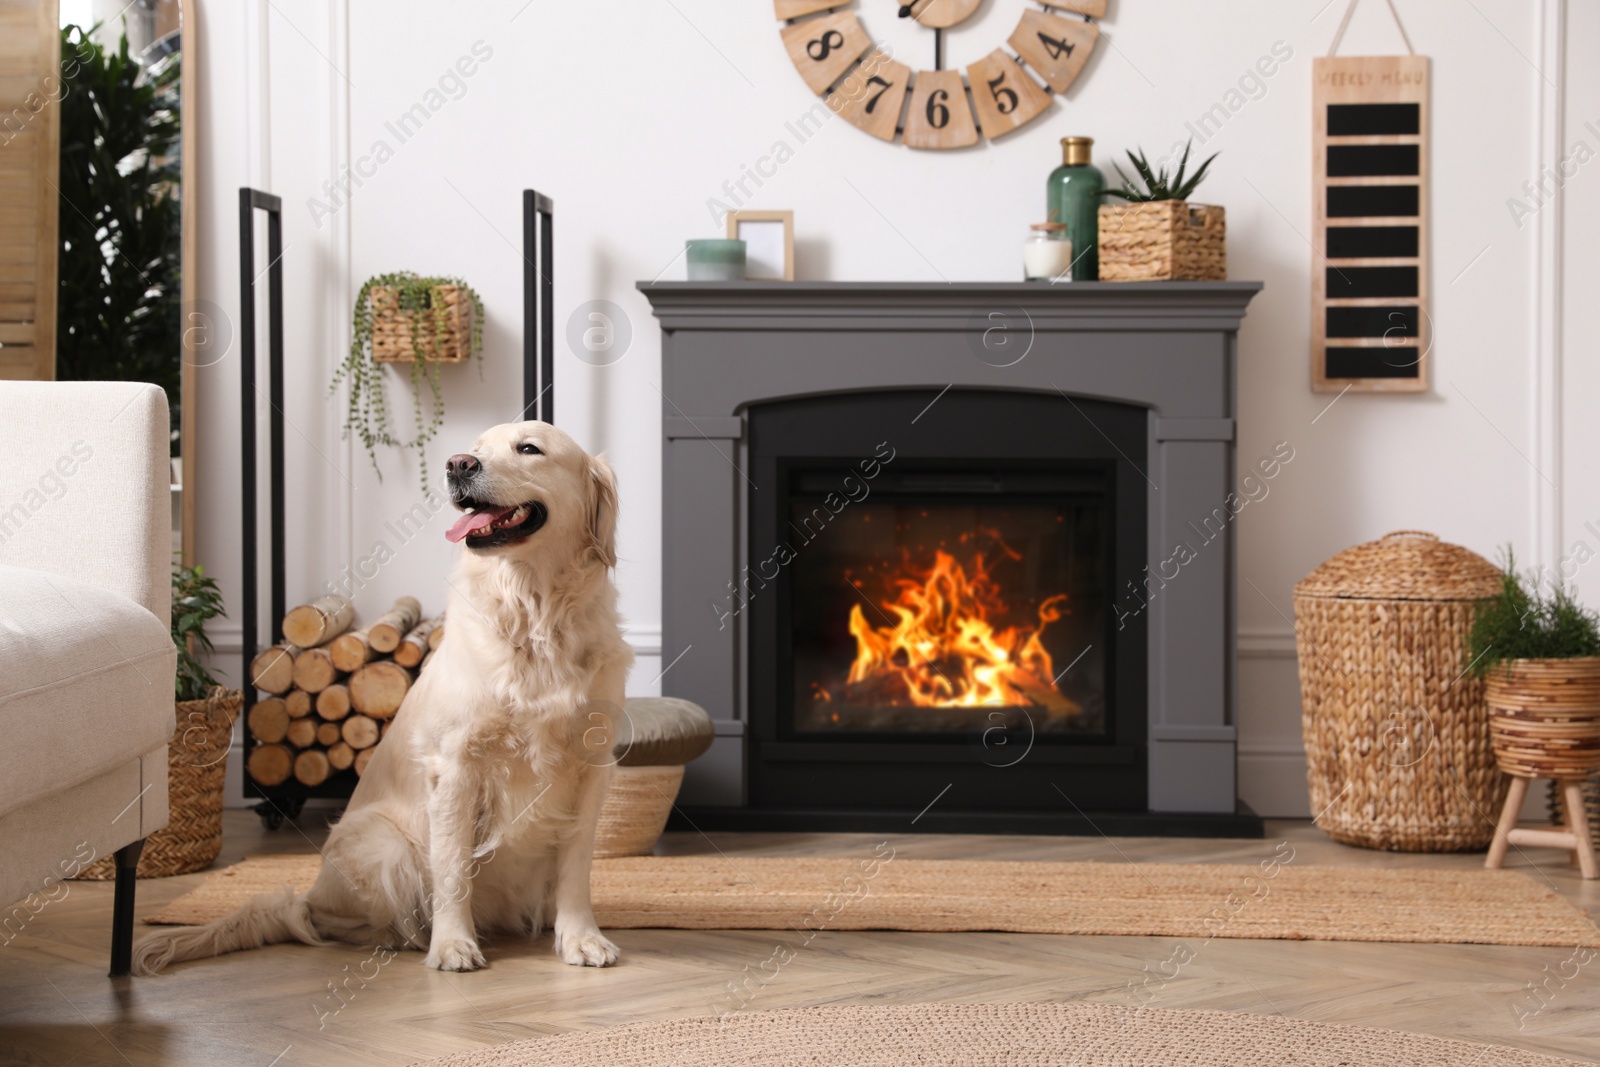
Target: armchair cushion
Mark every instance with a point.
(86, 684)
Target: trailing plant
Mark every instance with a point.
(367, 412)
(120, 248)
(1157, 186)
(1523, 622)
(195, 600)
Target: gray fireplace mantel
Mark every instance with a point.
(1169, 347)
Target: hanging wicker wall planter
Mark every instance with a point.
(443, 328)
(1396, 730)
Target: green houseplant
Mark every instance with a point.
(119, 254)
(1539, 651)
(403, 317)
(1156, 234)
(195, 601)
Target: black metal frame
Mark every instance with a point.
(538, 393)
(538, 291)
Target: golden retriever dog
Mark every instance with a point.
(477, 813)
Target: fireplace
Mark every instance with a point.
(938, 610)
(911, 582)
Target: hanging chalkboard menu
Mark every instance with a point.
(1369, 289)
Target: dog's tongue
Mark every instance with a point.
(486, 515)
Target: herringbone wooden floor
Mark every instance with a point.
(274, 1006)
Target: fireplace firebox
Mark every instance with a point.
(916, 548)
(938, 611)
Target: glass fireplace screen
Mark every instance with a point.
(950, 612)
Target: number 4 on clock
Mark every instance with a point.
(1055, 47)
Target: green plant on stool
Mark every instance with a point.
(1539, 650)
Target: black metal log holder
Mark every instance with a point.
(538, 394)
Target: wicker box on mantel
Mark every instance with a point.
(1398, 754)
(1163, 241)
(447, 326)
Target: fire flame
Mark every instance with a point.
(944, 650)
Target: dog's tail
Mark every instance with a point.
(266, 920)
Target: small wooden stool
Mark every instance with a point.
(1574, 837)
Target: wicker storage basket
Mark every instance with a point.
(197, 759)
(1163, 241)
(635, 810)
(447, 326)
(1397, 734)
(1545, 716)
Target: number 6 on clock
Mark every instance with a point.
(939, 116)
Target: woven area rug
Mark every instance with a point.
(1156, 900)
(1001, 1035)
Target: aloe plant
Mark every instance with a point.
(1157, 185)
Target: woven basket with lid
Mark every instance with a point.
(1396, 732)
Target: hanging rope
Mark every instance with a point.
(1344, 24)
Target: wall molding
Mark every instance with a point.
(1548, 485)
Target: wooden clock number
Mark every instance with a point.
(872, 94)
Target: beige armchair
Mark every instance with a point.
(86, 657)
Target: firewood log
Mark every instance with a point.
(311, 767)
(328, 734)
(360, 732)
(318, 622)
(341, 756)
(270, 764)
(363, 758)
(378, 688)
(436, 638)
(333, 703)
(350, 651)
(269, 720)
(302, 733)
(314, 670)
(414, 646)
(298, 701)
(385, 634)
(272, 669)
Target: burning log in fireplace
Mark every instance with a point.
(941, 647)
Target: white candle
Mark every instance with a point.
(1044, 260)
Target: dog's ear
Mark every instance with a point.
(602, 530)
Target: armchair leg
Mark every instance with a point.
(122, 908)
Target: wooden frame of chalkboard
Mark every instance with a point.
(1370, 328)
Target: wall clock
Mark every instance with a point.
(937, 108)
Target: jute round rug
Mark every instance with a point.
(995, 1035)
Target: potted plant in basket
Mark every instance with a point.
(404, 318)
(1539, 652)
(197, 754)
(1157, 235)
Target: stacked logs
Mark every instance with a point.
(330, 691)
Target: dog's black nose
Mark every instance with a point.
(462, 465)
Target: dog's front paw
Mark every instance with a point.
(457, 954)
(589, 948)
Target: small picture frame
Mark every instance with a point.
(769, 243)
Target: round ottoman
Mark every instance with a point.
(656, 737)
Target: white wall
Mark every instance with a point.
(632, 116)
